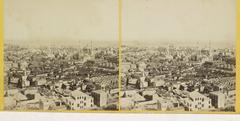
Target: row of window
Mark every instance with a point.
(81, 98)
(78, 105)
(196, 106)
(199, 99)
(79, 102)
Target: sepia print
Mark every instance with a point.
(60, 55)
(178, 55)
(162, 55)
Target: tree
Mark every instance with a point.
(63, 87)
(73, 87)
(89, 87)
(181, 87)
(190, 88)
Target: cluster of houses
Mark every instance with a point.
(176, 84)
(166, 79)
(58, 79)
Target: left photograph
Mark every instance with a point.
(61, 55)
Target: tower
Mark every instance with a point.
(210, 51)
(198, 48)
(209, 45)
(91, 48)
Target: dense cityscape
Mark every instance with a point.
(163, 78)
(178, 78)
(61, 78)
(120, 56)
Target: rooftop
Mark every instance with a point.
(77, 93)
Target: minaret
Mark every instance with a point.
(209, 45)
(210, 50)
(91, 49)
(198, 48)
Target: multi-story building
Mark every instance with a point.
(231, 98)
(197, 101)
(218, 99)
(79, 100)
(100, 98)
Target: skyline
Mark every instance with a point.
(61, 43)
(180, 43)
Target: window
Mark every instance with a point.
(202, 105)
(203, 99)
(195, 106)
(78, 105)
(84, 104)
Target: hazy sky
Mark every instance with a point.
(60, 20)
(180, 20)
(185, 21)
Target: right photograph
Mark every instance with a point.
(178, 55)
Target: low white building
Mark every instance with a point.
(9, 103)
(128, 103)
(197, 101)
(157, 81)
(79, 100)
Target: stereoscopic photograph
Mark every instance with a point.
(61, 55)
(179, 55)
(127, 56)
